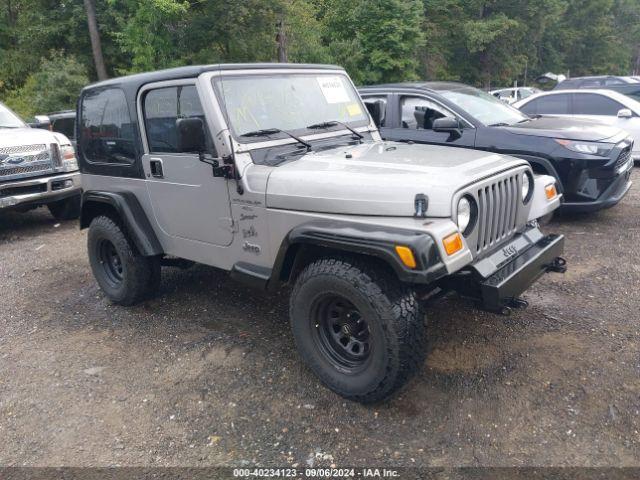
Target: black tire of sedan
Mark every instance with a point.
(67, 209)
(124, 275)
(357, 328)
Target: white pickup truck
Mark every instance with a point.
(37, 167)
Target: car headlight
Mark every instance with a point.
(588, 148)
(527, 187)
(466, 214)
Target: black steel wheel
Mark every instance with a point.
(124, 275)
(341, 332)
(111, 262)
(357, 327)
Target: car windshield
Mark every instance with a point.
(8, 119)
(483, 106)
(260, 105)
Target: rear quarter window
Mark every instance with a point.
(107, 133)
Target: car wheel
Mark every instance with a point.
(67, 209)
(123, 274)
(358, 329)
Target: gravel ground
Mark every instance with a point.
(206, 373)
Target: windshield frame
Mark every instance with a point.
(362, 126)
(20, 122)
(487, 97)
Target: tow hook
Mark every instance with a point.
(559, 265)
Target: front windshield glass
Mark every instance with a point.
(483, 106)
(290, 102)
(8, 119)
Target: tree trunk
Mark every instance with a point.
(281, 39)
(96, 44)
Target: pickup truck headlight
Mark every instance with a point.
(69, 161)
(466, 214)
(588, 148)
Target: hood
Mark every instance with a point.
(567, 128)
(13, 137)
(380, 178)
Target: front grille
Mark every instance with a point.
(22, 149)
(624, 157)
(41, 167)
(497, 209)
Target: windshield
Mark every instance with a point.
(289, 102)
(483, 106)
(8, 119)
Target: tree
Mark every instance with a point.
(96, 44)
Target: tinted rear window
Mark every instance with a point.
(594, 104)
(548, 105)
(108, 134)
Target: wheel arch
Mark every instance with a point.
(543, 166)
(311, 241)
(124, 208)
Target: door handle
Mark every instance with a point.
(155, 164)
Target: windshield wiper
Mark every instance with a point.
(265, 132)
(499, 124)
(334, 123)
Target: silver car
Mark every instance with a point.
(277, 174)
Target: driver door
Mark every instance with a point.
(188, 202)
(415, 123)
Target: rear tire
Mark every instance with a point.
(357, 328)
(67, 209)
(125, 276)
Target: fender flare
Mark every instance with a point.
(362, 239)
(129, 212)
(544, 163)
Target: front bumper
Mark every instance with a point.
(498, 279)
(520, 273)
(607, 199)
(39, 191)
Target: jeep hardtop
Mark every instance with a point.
(37, 167)
(277, 174)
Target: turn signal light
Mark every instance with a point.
(406, 255)
(452, 243)
(551, 192)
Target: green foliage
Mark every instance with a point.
(482, 42)
(55, 86)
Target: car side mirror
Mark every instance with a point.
(625, 113)
(376, 110)
(191, 137)
(448, 125)
(41, 121)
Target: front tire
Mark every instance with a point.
(125, 276)
(67, 209)
(357, 328)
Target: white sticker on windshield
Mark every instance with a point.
(333, 89)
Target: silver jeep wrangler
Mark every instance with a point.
(277, 174)
(37, 167)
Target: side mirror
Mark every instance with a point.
(41, 121)
(625, 113)
(447, 125)
(191, 137)
(376, 110)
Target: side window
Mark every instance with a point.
(162, 108)
(377, 107)
(420, 113)
(548, 105)
(593, 104)
(66, 126)
(108, 135)
(591, 83)
(614, 81)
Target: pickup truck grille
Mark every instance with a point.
(27, 160)
(497, 209)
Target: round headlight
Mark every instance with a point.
(465, 215)
(527, 187)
